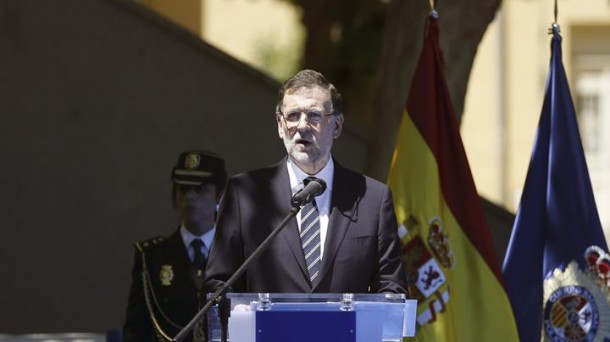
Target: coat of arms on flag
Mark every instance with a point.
(425, 277)
(576, 302)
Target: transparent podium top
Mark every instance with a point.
(377, 317)
(315, 301)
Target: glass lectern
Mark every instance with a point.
(271, 317)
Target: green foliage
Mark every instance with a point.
(281, 61)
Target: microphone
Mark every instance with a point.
(313, 187)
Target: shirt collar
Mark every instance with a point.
(297, 176)
(188, 237)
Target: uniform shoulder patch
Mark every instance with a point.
(151, 243)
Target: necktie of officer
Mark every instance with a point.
(310, 238)
(199, 261)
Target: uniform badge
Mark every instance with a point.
(575, 301)
(166, 275)
(191, 162)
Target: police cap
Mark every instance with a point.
(196, 167)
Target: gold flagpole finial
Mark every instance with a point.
(433, 12)
(554, 25)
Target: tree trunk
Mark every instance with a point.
(344, 43)
(462, 25)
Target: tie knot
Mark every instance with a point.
(310, 205)
(197, 244)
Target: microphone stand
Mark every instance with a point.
(216, 297)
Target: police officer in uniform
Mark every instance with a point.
(168, 271)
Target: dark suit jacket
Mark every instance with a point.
(168, 265)
(362, 249)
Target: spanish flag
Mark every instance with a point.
(449, 257)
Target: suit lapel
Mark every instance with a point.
(343, 212)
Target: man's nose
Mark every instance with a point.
(190, 195)
(303, 122)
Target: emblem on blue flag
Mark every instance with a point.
(576, 301)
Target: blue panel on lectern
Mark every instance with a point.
(305, 326)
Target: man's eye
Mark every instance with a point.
(293, 116)
(314, 116)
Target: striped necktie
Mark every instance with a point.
(310, 238)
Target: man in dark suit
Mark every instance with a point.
(345, 242)
(168, 272)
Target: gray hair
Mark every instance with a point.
(306, 79)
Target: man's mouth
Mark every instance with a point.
(303, 141)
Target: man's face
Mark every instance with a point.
(307, 127)
(196, 205)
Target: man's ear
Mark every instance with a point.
(338, 126)
(280, 129)
(219, 194)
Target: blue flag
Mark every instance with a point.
(556, 223)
